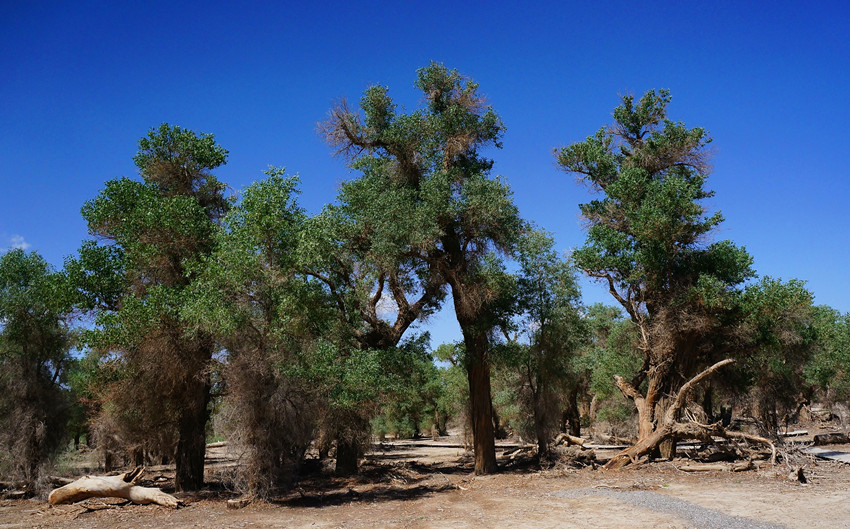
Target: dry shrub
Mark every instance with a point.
(33, 415)
(269, 419)
(141, 408)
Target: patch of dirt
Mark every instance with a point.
(414, 484)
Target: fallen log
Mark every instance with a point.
(795, 433)
(568, 439)
(834, 438)
(717, 467)
(121, 486)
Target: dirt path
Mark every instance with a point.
(412, 486)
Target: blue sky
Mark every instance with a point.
(81, 82)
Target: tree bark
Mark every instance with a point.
(542, 437)
(481, 408)
(572, 415)
(667, 449)
(191, 443)
(708, 402)
(121, 486)
(138, 457)
(347, 457)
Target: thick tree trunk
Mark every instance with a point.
(191, 443)
(667, 448)
(481, 408)
(470, 299)
(347, 457)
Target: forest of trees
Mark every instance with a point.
(191, 313)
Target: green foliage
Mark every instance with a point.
(178, 162)
(611, 350)
(34, 355)
(646, 234)
(248, 290)
(829, 369)
(424, 190)
(412, 390)
(542, 339)
(776, 334)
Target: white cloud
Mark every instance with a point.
(19, 242)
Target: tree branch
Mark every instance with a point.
(682, 396)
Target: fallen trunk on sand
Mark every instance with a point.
(121, 486)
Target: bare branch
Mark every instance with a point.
(682, 396)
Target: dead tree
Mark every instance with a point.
(672, 430)
(120, 486)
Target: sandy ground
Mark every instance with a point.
(418, 484)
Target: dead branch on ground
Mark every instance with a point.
(121, 486)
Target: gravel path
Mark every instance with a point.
(701, 517)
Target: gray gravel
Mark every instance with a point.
(700, 517)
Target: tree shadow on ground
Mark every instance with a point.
(376, 482)
(374, 495)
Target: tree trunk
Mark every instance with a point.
(138, 457)
(347, 456)
(593, 409)
(470, 298)
(481, 407)
(542, 437)
(191, 444)
(708, 402)
(667, 449)
(572, 417)
(108, 460)
(440, 419)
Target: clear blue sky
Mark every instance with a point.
(81, 82)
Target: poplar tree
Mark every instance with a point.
(35, 341)
(648, 243)
(145, 234)
(429, 192)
